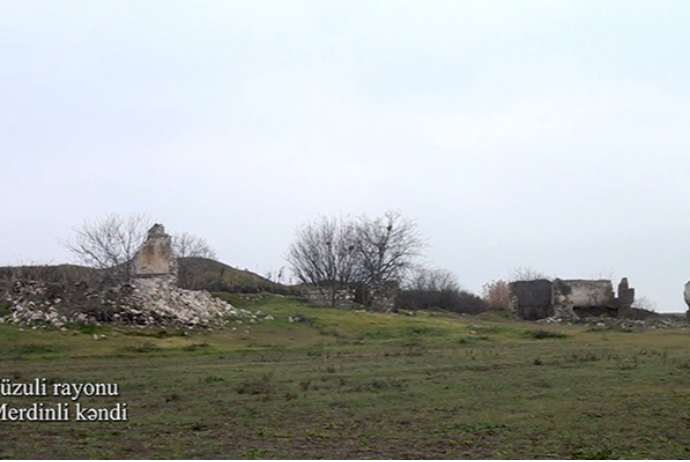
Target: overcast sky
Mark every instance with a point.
(550, 134)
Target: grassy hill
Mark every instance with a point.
(332, 383)
(202, 273)
(194, 273)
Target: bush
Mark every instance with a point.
(541, 334)
(261, 386)
(458, 301)
(497, 295)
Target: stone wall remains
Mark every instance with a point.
(570, 298)
(155, 263)
(531, 300)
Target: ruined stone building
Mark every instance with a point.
(155, 263)
(571, 299)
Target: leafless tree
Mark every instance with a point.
(334, 253)
(186, 245)
(644, 303)
(438, 288)
(527, 273)
(388, 247)
(434, 280)
(324, 255)
(109, 244)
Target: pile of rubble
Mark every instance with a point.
(663, 321)
(54, 304)
(153, 298)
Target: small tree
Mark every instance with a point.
(109, 244)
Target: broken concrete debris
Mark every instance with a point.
(151, 299)
(125, 304)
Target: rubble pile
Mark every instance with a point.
(152, 298)
(53, 304)
(605, 323)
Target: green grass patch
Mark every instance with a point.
(33, 348)
(142, 347)
(196, 346)
(386, 386)
(4, 307)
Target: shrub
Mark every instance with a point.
(261, 386)
(541, 334)
(497, 295)
(458, 301)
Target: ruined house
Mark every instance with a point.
(571, 299)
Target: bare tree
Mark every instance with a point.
(186, 245)
(644, 303)
(438, 288)
(434, 280)
(388, 247)
(334, 253)
(527, 273)
(109, 244)
(324, 255)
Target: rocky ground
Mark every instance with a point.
(38, 304)
(658, 321)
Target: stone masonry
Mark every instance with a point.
(155, 264)
(571, 298)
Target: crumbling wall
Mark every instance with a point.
(582, 297)
(378, 297)
(344, 298)
(571, 299)
(155, 264)
(626, 298)
(531, 300)
(384, 297)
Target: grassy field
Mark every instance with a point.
(346, 384)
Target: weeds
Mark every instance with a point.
(4, 308)
(414, 347)
(145, 347)
(196, 346)
(603, 454)
(379, 384)
(472, 427)
(541, 334)
(260, 386)
(33, 348)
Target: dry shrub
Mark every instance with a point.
(497, 294)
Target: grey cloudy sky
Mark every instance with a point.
(551, 134)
